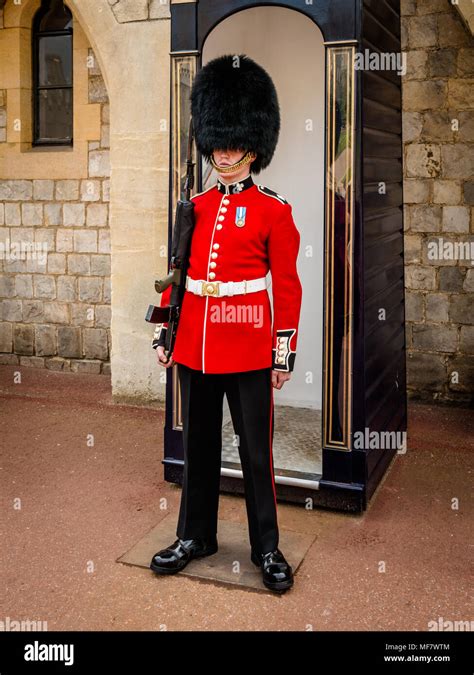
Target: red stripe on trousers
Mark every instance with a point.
(271, 444)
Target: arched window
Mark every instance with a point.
(52, 74)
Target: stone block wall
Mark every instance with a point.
(55, 260)
(140, 10)
(438, 135)
(59, 317)
(3, 115)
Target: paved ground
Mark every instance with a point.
(83, 506)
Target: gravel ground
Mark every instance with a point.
(83, 505)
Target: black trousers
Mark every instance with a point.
(250, 397)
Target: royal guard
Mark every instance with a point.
(226, 342)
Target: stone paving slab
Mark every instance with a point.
(231, 564)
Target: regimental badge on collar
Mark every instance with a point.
(240, 215)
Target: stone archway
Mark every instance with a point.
(133, 56)
(134, 59)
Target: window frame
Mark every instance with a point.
(36, 87)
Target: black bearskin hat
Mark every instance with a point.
(234, 104)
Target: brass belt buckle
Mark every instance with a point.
(210, 288)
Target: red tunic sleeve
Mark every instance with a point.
(160, 329)
(283, 247)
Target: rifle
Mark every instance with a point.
(179, 260)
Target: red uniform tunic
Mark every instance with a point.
(235, 333)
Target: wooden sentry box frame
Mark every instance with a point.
(364, 371)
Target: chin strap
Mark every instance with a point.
(246, 159)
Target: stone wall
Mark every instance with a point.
(66, 204)
(438, 134)
(3, 115)
(3, 102)
(133, 54)
(55, 271)
(140, 10)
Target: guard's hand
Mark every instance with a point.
(279, 377)
(163, 359)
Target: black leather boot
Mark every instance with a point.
(174, 558)
(277, 573)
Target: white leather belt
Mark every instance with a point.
(220, 288)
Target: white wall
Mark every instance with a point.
(290, 47)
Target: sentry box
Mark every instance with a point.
(337, 68)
